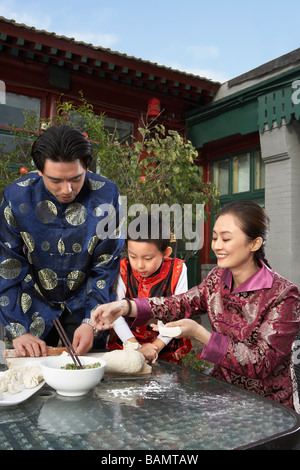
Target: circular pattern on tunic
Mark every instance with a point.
(101, 284)
(48, 279)
(4, 301)
(46, 211)
(97, 211)
(75, 279)
(76, 214)
(24, 208)
(26, 302)
(15, 330)
(92, 244)
(37, 327)
(45, 246)
(10, 268)
(61, 246)
(76, 247)
(9, 216)
(28, 240)
(95, 185)
(25, 183)
(104, 259)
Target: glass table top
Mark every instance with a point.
(172, 408)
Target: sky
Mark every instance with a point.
(217, 40)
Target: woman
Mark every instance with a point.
(254, 312)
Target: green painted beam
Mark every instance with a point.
(241, 120)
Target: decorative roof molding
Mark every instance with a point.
(42, 46)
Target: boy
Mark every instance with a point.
(149, 271)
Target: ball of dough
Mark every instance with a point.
(124, 361)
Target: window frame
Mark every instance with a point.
(253, 193)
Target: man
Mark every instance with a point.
(53, 263)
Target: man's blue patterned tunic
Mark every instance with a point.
(51, 257)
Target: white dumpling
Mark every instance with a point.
(14, 387)
(31, 381)
(11, 375)
(30, 375)
(3, 384)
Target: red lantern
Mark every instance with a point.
(153, 108)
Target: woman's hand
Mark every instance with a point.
(105, 315)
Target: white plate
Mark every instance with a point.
(8, 399)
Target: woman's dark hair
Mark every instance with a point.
(61, 144)
(253, 221)
(150, 228)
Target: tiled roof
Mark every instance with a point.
(40, 45)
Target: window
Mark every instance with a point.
(221, 176)
(259, 171)
(241, 175)
(122, 130)
(11, 113)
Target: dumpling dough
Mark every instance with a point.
(31, 376)
(10, 375)
(124, 361)
(3, 384)
(168, 331)
(14, 387)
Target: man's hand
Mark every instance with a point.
(83, 339)
(31, 344)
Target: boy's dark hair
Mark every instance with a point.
(61, 144)
(150, 228)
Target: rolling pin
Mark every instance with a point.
(50, 352)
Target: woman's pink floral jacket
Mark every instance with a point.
(253, 329)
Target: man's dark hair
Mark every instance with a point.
(61, 144)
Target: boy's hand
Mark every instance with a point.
(149, 351)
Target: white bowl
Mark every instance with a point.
(71, 383)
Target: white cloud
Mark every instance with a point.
(213, 75)
(202, 52)
(210, 74)
(38, 20)
(97, 39)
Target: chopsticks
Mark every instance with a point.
(67, 343)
